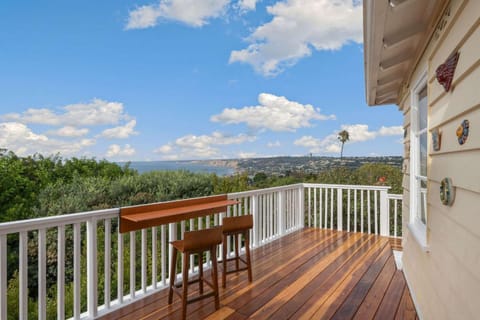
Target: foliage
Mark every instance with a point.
(343, 136)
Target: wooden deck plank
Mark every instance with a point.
(391, 300)
(196, 310)
(376, 293)
(247, 305)
(280, 269)
(349, 307)
(310, 274)
(159, 308)
(344, 251)
(330, 305)
(222, 313)
(406, 309)
(307, 301)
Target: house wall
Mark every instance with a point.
(445, 280)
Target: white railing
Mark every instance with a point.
(99, 270)
(353, 208)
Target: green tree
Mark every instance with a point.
(343, 136)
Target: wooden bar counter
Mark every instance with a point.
(150, 215)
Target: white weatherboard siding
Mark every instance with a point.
(445, 281)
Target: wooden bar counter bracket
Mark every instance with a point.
(150, 215)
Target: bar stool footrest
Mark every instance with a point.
(236, 270)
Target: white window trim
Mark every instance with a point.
(416, 227)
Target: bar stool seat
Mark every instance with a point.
(195, 242)
(235, 226)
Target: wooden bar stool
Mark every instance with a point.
(195, 242)
(235, 226)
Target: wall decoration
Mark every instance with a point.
(462, 132)
(447, 192)
(446, 71)
(436, 139)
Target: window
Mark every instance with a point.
(418, 161)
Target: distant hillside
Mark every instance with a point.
(282, 165)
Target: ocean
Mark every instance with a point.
(146, 166)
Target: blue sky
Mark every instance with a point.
(187, 79)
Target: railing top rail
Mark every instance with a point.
(263, 191)
(395, 196)
(54, 221)
(345, 186)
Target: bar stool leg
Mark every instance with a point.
(224, 261)
(247, 251)
(186, 257)
(173, 274)
(200, 272)
(237, 256)
(215, 276)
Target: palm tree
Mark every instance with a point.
(343, 136)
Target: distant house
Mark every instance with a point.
(424, 56)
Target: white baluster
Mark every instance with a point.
(3, 276)
(154, 258)
(132, 264)
(120, 270)
(76, 270)
(23, 282)
(340, 209)
(348, 210)
(375, 192)
(60, 273)
(107, 260)
(144, 261)
(92, 279)
(42, 274)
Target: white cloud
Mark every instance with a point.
(121, 132)
(97, 112)
(204, 146)
(115, 150)
(274, 113)
(247, 5)
(357, 133)
(273, 144)
(167, 148)
(20, 139)
(297, 27)
(191, 12)
(69, 131)
(246, 155)
(391, 131)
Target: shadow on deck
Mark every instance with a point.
(309, 274)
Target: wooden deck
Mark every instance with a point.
(309, 274)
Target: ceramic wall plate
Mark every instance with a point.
(436, 139)
(446, 71)
(462, 131)
(447, 192)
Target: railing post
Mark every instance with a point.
(254, 212)
(281, 213)
(92, 268)
(3, 276)
(384, 214)
(301, 204)
(339, 209)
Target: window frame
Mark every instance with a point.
(416, 225)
